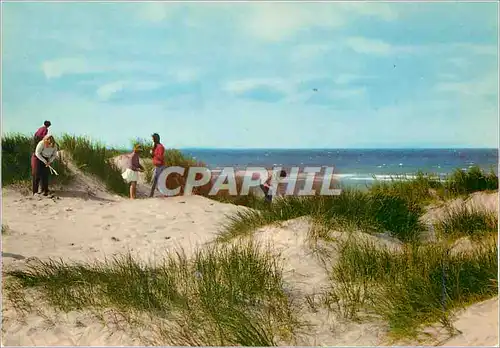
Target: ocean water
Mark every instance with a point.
(353, 165)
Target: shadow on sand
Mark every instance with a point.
(14, 256)
(80, 194)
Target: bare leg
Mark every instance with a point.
(133, 189)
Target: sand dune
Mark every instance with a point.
(97, 224)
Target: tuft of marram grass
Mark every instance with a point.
(417, 190)
(16, 162)
(467, 221)
(222, 296)
(405, 287)
(244, 223)
(94, 158)
(474, 179)
(352, 209)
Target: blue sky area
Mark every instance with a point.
(255, 75)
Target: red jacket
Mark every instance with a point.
(158, 155)
(41, 132)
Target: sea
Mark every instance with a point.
(354, 166)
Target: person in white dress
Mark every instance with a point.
(131, 174)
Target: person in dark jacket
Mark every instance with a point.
(37, 137)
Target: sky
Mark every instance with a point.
(254, 74)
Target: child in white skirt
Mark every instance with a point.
(131, 174)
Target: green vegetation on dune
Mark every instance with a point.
(415, 286)
(474, 179)
(94, 158)
(465, 221)
(16, 162)
(222, 296)
(419, 284)
(417, 190)
(352, 209)
(395, 206)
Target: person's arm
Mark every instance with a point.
(38, 152)
(53, 156)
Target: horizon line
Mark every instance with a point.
(339, 148)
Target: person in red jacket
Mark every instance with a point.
(158, 154)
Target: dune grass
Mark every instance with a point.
(417, 190)
(244, 223)
(16, 162)
(222, 296)
(427, 188)
(352, 209)
(465, 221)
(474, 179)
(94, 158)
(416, 286)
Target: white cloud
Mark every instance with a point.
(156, 11)
(478, 49)
(380, 10)
(242, 86)
(378, 47)
(268, 21)
(184, 75)
(344, 79)
(277, 21)
(363, 45)
(59, 67)
(105, 92)
(459, 62)
(484, 86)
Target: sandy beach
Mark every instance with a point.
(83, 227)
